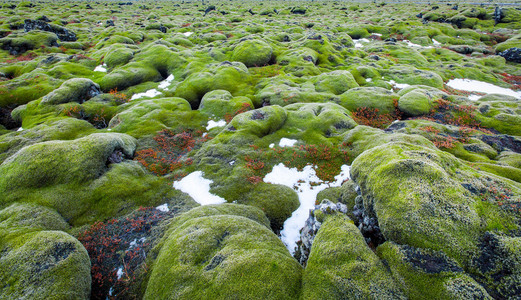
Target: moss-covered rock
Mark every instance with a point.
(252, 53)
(413, 76)
(73, 90)
(277, 201)
(221, 104)
(18, 43)
(223, 256)
(419, 101)
(375, 98)
(335, 82)
(429, 274)
(342, 266)
(38, 260)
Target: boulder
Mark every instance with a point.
(253, 53)
(73, 90)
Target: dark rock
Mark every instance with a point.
(162, 29)
(500, 142)
(390, 40)
(497, 15)
(455, 7)
(367, 224)
(312, 225)
(62, 33)
(251, 12)
(298, 11)
(512, 54)
(6, 120)
(433, 263)
(44, 18)
(88, 6)
(209, 9)
(109, 23)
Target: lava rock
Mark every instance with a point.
(62, 33)
(512, 54)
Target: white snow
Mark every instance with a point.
(435, 42)
(133, 244)
(20, 129)
(101, 68)
(120, 272)
(163, 207)
(474, 97)
(165, 83)
(377, 34)
(369, 79)
(399, 85)
(284, 142)
(272, 145)
(232, 162)
(213, 124)
(360, 43)
(187, 34)
(195, 185)
(150, 93)
(301, 181)
(481, 87)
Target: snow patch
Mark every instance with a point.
(165, 83)
(213, 124)
(360, 43)
(474, 97)
(120, 273)
(195, 185)
(101, 68)
(435, 42)
(20, 129)
(399, 85)
(470, 85)
(163, 208)
(150, 93)
(284, 142)
(369, 79)
(307, 185)
(187, 34)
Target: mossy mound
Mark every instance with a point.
(38, 260)
(415, 76)
(19, 43)
(222, 105)
(223, 256)
(374, 98)
(461, 214)
(419, 101)
(277, 201)
(73, 90)
(335, 82)
(342, 266)
(429, 274)
(252, 53)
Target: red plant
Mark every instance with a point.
(23, 57)
(119, 244)
(119, 97)
(170, 153)
(244, 108)
(372, 117)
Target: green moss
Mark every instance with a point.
(252, 53)
(73, 90)
(221, 257)
(342, 266)
(336, 82)
(37, 259)
(369, 97)
(221, 104)
(417, 102)
(21, 42)
(277, 201)
(414, 76)
(429, 274)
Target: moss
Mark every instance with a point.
(417, 102)
(414, 76)
(429, 274)
(221, 104)
(27, 87)
(147, 117)
(73, 90)
(18, 43)
(260, 122)
(38, 260)
(332, 193)
(252, 53)
(426, 175)
(117, 57)
(335, 82)
(223, 256)
(369, 97)
(277, 201)
(341, 265)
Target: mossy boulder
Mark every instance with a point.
(39, 260)
(375, 98)
(147, 117)
(342, 266)
(277, 201)
(118, 56)
(223, 256)
(221, 104)
(419, 101)
(18, 43)
(498, 265)
(58, 162)
(260, 122)
(422, 176)
(253, 53)
(335, 82)
(429, 274)
(73, 90)
(415, 76)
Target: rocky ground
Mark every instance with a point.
(260, 150)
